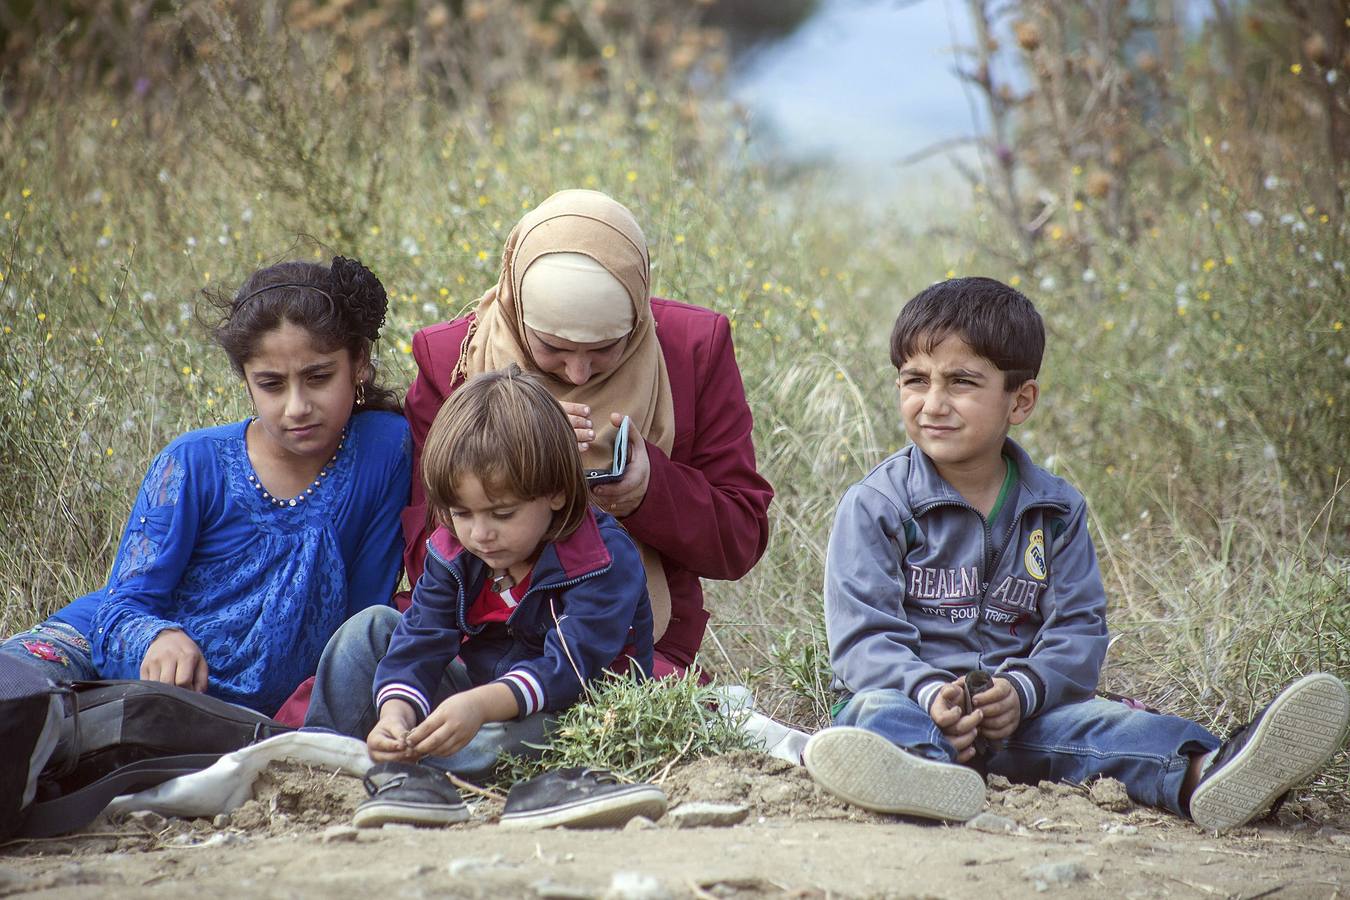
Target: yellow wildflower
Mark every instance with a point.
(1296, 68)
(631, 176)
(1208, 265)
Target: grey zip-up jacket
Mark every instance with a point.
(911, 603)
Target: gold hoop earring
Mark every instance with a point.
(360, 393)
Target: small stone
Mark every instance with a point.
(778, 792)
(635, 886)
(1109, 794)
(992, 823)
(338, 834)
(713, 815)
(997, 783)
(147, 819)
(550, 890)
(1119, 828)
(221, 821)
(639, 823)
(418, 870)
(474, 864)
(1063, 872)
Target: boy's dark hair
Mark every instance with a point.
(341, 306)
(997, 321)
(508, 431)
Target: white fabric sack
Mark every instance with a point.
(228, 782)
(776, 739)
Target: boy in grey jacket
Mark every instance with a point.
(967, 619)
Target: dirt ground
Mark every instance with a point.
(293, 840)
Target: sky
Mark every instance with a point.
(868, 82)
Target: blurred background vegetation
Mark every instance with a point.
(1172, 197)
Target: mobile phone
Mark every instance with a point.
(618, 462)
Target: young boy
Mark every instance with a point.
(957, 559)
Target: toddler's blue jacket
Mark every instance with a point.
(586, 607)
(911, 602)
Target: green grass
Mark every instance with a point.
(1195, 386)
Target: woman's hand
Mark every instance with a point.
(579, 415)
(621, 497)
(174, 658)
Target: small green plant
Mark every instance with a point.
(638, 730)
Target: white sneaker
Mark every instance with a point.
(1289, 742)
(867, 770)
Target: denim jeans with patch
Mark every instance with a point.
(56, 649)
(343, 697)
(1148, 752)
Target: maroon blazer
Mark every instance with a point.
(706, 507)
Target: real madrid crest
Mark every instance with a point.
(1034, 558)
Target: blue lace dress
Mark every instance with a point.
(259, 588)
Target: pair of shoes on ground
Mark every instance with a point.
(1290, 741)
(573, 797)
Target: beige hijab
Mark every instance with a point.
(594, 225)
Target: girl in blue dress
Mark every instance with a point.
(250, 543)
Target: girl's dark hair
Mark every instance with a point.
(508, 431)
(341, 306)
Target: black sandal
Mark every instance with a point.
(409, 794)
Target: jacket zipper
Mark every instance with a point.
(987, 538)
(461, 612)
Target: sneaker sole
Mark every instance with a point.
(609, 811)
(1299, 732)
(867, 770)
(373, 814)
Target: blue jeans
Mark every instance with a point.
(343, 698)
(1078, 742)
(59, 651)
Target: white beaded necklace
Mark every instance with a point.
(318, 479)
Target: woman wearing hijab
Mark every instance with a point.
(573, 302)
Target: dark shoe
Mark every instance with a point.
(580, 798)
(1289, 742)
(409, 794)
(865, 769)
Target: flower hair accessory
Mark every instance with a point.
(359, 296)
